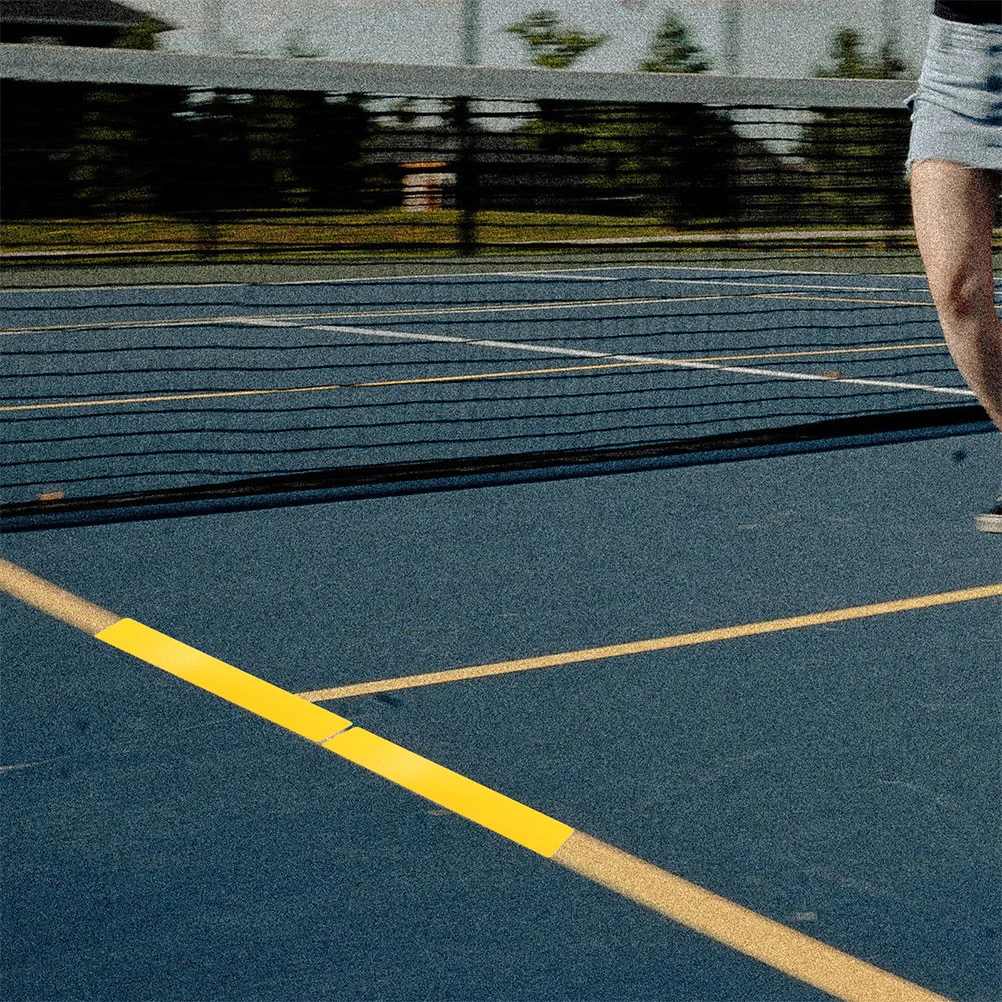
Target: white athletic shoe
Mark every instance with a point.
(991, 521)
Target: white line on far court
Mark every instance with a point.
(634, 359)
(561, 277)
(300, 319)
(786, 285)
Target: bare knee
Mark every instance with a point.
(965, 304)
(954, 209)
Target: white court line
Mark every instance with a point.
(389, 279)
(785, 285)
(638, 359)
(296, 319)
(775, 272)
(436, 310)
(561, 277)
(565, 304)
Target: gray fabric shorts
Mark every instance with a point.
(957, 110)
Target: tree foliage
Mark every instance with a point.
(850, 59)
(141, 150)
(551, 43)
(673, 162)
(855, 158)
(112, 166)
(672, 49)
(684, 153)
(137, 151)
(141, 35)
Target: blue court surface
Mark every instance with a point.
(770, 683)
(119, 390)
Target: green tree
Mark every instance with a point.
(276, 150)
(328, 142)
(672, 50)
(674, 162)
(142, 35)
(117, 157)
(850, 59)
(561, 128)
(855, 158)
(551, 43)
(303, 149)
(682, 155)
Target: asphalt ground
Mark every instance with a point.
(838, 775)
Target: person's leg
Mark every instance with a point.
(954, 208)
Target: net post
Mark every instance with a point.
(467, 181)
(471, 32)
(732, 37)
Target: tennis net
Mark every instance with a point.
(153, 157)
(437, 277)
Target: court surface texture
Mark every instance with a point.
(722, 733)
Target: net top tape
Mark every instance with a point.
(66, 64)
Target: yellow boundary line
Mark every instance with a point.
(655, 644)
(788, 950)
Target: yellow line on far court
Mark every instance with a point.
(745, 931)
(557, 304)
(655, 644)
(649, 363)
(800, 297)
(468, 378)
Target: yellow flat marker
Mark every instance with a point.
(221, 679)
(501, 814)
(794, 953)
(655, 644)
(335, 733)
